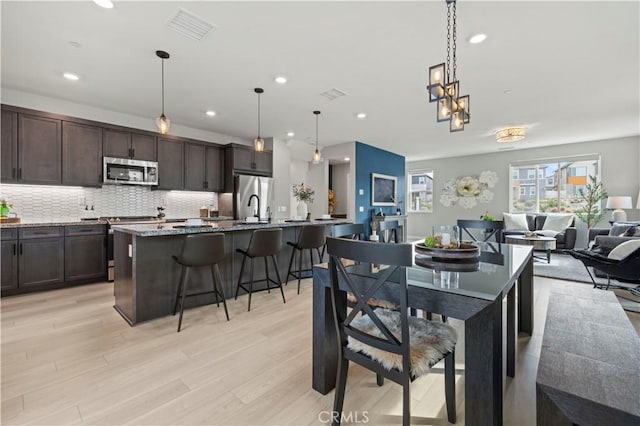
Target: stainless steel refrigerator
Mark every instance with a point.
(244, 187)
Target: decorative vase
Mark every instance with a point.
(302, 210)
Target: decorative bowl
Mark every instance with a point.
(464, 252)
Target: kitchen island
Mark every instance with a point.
(146, 277)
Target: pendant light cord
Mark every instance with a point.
(162, 86)
(258, 115)
(317, 131)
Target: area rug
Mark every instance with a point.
(565, 267)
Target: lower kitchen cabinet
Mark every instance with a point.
(85, 256)
(9, 271)
(40, 262)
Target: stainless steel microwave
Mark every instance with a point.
(129, 172)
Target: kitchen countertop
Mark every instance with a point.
(52, 223)
(163, 229)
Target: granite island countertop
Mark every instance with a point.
(53, 222)
(163, 229)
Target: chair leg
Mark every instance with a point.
(300, 268)
(591, 276)
(450, 385)
(215, 287)
(341, 384)
(266, 271)
(240, 276)
(379, 379)
(250, 285)
(406, 402)
(175, 305)
(184, 296)
(275, 266)
(215, 271)
(293, 253)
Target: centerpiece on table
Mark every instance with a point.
(303, 195)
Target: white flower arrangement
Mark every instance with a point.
(467, 191)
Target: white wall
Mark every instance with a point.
(339, 152)
(60, 106)
(340, 179)
(318, 180)
(281, 207)
(620, 175)
(298, 171)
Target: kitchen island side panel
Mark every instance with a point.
(123, 289)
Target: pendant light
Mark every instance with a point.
(162, 122)
(258, 143)
(317, 157)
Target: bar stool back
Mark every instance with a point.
(200, 250)
(392, 227)
(311, 237)
(264, 243)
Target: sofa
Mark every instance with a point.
(606, 239)
(565, 239)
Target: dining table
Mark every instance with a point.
(469, 290)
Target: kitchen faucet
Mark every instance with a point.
(249, 204)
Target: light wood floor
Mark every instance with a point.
(68, 358)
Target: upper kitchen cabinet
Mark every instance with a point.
(81, 154)
(240, 159)
(9, 147)
(202, 167)
(124, 144)
(39, 150)
(170, 163)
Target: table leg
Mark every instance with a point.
(548, 255)
(325, 339)
(525, 299)
(483, 366)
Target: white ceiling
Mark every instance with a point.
(568, 71)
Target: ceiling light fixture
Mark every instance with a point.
(317, 157)
(71, 76)
(291, 134)
(477, 38)
(211, 113)
(361, 115)
(162, 122)
(258, 143)
(280, 80)
(107, 4)
(510, 134)
(451, 106)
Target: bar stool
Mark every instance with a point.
(200, 250)
(311, 237)
(392, 227)
(264, 243)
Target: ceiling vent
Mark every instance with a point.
(190, 25)
(333, 94)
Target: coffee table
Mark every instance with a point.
(538, 243)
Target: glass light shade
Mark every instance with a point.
(619, 202)
(463, 106)
(510, 134)
(457, 121)
(451, 89)
(162, 123)
(444, 109)
(316, 157)
(258, 144)
(436, 82)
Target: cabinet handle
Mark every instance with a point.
(129, 152)
(133, 152)
(14, 249)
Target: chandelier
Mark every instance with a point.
(510, 134)
(444, 89)
(162, 122)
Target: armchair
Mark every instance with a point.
(627, 268)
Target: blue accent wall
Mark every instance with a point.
(370, 160)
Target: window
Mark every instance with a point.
(557, 186)
(420, 191)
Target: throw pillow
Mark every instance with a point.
(631, 231)
(618, 230)
(625, 249)
(515, 222)
(557, 222)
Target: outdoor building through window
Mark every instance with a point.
(554, 184)
(420, 191)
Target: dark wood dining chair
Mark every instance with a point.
(391, 229)
(354, 231)
(390, 343)
(490, 228)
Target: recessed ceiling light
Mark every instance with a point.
(361, 115)
(280, 80)
(347, 159)
(210, 113)
(291, 134)
(107, 4)
(75, 44)
(71, 76)
(477, 38)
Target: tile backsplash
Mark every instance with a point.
(35, 203)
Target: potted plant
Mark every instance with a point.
(304, 195)
(592, 195)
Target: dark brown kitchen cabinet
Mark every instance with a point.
(40, 256)
(170, 164)
(202, 167)
(39, 150)
(123, 144)
(9, 255)
(9, 147)
(239, 159)
(81, 154)
(85, 252)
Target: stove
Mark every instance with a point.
(122, 220)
